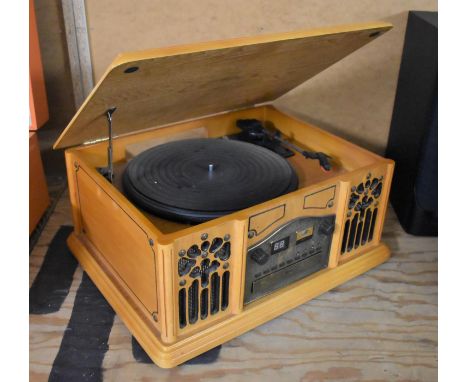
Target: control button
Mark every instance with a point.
(281, 265)
(193, 252)
(374, 183)
(326, 228)
(265, 272)
(225, 252)
(368, 183)
(358, 207)
(360, 188)
(289, 261)
(259, 256)
(274, 267)
(257, 275)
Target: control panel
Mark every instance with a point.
(294, 251)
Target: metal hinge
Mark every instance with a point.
(108, 171)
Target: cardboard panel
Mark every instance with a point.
(38, 194)
(38, 109)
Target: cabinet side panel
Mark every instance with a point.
(120, 240)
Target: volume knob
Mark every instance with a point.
(327, 228)
(259, 256)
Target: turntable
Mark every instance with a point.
(200, 211)
(196, 180)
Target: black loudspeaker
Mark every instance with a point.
(412, 141)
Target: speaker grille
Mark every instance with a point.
(362, 214)
(204, 281)
(193, 302)
(214, 294)
(225, 292)
(182, 308)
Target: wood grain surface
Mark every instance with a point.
(381, 326)
(362, 86)
(157, 87)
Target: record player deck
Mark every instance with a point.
(200, 210)
(196, 180)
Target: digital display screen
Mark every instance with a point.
(279, 245)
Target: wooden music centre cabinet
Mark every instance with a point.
(183, 288)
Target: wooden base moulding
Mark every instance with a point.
(170, 355)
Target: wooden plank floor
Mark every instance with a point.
(381, 326)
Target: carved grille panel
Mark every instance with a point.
(362, 214)
(203, 280)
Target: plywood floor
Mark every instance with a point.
(381, 326)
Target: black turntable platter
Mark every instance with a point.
(196, 180)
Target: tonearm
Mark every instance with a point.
(253, 131)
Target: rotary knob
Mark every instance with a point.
(259, 256)
(327, 228)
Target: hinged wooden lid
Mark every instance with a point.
(162, 86)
